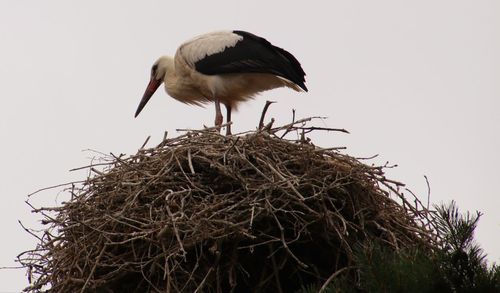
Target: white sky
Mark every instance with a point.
(416, 82)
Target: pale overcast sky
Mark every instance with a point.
(416, 82)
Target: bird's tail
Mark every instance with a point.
(292, 84)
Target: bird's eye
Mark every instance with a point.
(153, 69)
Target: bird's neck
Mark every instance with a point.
(170, 80)
(181, 89)
(175, 85)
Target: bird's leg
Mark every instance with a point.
(228, 117)
(218, 114)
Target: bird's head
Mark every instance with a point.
(158, 72)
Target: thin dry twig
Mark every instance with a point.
(263, 115)
(333, 276)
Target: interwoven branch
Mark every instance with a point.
(210, 213)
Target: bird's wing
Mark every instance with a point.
(241, 52)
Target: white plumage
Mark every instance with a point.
(224, 67)
(208, 44)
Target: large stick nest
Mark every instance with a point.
(208, 213)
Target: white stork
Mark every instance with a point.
(225, 67)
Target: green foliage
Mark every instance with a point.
(461, 261)
(383, 270)
(457, 265)
(338, 285)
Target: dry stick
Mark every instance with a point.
(389, 233)
(166, 271)
(397, 183)
(91, 165)
(164, 141)
(55, 186)
(206, 129)
(275, 269)
(93, 269)
(12, 268)
(427, 214)
(320, 149)
(253, 166)
(144, 144)
(367, 158)
(283, 178)
(190, 162)
(127, 162)
(190, 278)
(252, 215)
(97, 171)
(43, 210)
(203, 281)
(231, 271)
(97, 152)
(312, 128)
(293, 122)
(323, 288)
(290, 126)
(268, 125)
(285, 245)
(415, 210)
(230, 148)
(176, 231)
(27, 230)
(262, 116)
(428, 191)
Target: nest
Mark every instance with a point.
(209, 213)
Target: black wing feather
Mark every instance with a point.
(253, 54)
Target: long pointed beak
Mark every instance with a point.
(150, 90)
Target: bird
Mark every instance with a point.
(224, 67)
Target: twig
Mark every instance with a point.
(55, 186)
(428, 191)
(285, 245)
(335, 274)
(93, 269)
(275, 270)
(145, 142)
(284, 179)
(89, 166)
(176, 231)
(29, 231)
(268, 126)
(263, 115)
(205, 129)
(190, 161)
(309, 129)
(203, 281)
